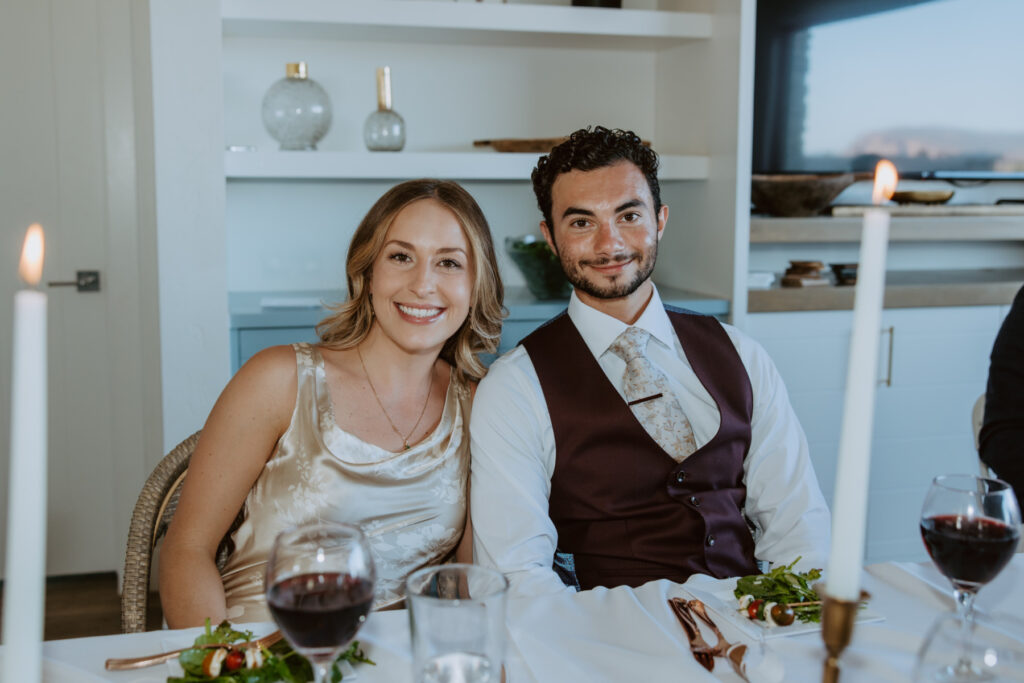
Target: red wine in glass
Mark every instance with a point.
(970, 526)
(316, 611)
(320, 581)
(969, 552)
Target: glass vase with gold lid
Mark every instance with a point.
(384, 130)
(296, 109)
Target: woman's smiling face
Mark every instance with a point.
(422, 280)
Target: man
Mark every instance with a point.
(1001, 442)
(622, 443)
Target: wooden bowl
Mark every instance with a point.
(521, 145)
(528, 145)
(797, 195)
(922, 196)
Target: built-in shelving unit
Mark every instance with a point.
(678, 73)
(973, 285)
(902, 229)
(442, 21)
(903, 289)
(482, 165)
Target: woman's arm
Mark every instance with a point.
(240, 434)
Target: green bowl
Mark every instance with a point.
(540, 267)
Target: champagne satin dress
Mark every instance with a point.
(411, 505)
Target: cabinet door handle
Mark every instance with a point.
(85, 281)
(887, 381)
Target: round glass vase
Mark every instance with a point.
(296, 110)
(384, 130)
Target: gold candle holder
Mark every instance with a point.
(837, 619)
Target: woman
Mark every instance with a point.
(370, 426)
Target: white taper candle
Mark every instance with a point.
(25, 572)
(849, 505)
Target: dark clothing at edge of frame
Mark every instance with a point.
(1002, 434)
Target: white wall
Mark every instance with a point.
(188, 159)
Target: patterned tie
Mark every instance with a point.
(662, 417)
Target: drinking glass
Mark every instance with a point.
(970, 526)
(995, 654)
(320, 580)
(457, 618)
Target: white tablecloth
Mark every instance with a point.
(619, 635)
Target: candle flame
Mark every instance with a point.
(886, 179)
(31, 267)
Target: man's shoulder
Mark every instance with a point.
(511, 369)
(750, 351)
(509, 396)
(553, 325)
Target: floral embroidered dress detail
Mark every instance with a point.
(411, 505)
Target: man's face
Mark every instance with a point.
(605, 230)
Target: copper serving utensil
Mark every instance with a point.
(702, 651)
(733, 652)
(150, 660)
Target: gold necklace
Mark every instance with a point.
(405, 439)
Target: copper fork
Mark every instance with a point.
(702, 651)
(733, 652)
(150, 660)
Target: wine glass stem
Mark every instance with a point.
(965, 611)
(321, 670)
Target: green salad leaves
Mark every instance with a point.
(784, 586)
(280, 662)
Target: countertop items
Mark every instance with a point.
(804, 274)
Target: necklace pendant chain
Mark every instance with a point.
(423, 410)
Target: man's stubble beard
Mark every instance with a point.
(574, 274)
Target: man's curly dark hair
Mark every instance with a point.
(592, 148)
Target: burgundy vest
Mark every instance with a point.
(624, 509)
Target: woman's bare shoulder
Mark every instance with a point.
(272, 360)
(268, 379)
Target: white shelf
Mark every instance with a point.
(407, 165)
(429, 20)
(937, 228)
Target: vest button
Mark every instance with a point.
(680, 477)
(695, 501)
(711, 539)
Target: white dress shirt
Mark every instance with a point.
(513, 452)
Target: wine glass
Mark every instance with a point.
(970, 526)
(996, 655)
(320, 581)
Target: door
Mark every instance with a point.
(73, 139)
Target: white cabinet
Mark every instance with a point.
(933, 365)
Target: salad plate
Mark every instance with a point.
(718, 595)
(174, 669)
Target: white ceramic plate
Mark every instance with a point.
(59, 672)
(718, 596)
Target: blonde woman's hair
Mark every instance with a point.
(351, 320)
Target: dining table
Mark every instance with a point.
(628, 634)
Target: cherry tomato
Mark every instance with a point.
(783, 614)
(234, 661)
(752, 608)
